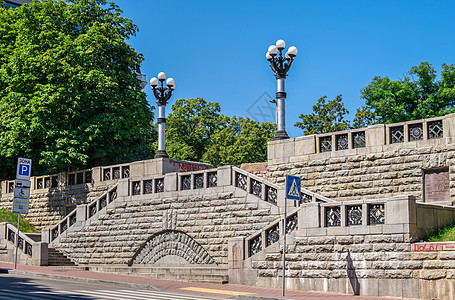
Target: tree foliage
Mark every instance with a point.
(69, 96)
(417, 96)
(197, 131)
(189, 128)
(239, 140)
(326, 117)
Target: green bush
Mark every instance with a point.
(7, 216)
(444, 234)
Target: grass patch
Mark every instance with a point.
(444, 234)
(7, 216)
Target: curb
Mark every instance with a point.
(82, 279)
(253, 297)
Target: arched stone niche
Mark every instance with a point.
(171, 247)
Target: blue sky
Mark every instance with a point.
(216, 49)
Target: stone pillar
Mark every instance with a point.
(3, 231)
(375, 136)
(40, 254)
(448, 123)
(224, 176)
(236, 256)
(170, 182)
(123, 188)
(305, 145)
(81, 213)
(96, 175)
(401, 216)
(310, 215)
(46, 235)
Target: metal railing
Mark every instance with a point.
(92, 208)
(25, 243)
(255, 185)
(272, 233)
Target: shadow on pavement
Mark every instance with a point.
(12, 287)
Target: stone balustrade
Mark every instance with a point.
(31, 249)
(52, 197)
(80, 214)
(381, 160)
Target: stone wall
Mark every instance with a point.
(415, 158)
(190, 224)
(350, 248)
(52, 197)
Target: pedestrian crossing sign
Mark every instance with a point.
(293, 187)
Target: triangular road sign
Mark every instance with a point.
(293, 187)
(294, 190)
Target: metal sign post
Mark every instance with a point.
(283, 288)
(292, 184)
(17, 239)
(21, 194)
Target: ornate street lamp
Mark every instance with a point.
(162, 94)
(280, 65)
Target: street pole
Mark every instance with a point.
(280, 66)
(17, 238)
(284, 246)
(161, 131)
(162, 95)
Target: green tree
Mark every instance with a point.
(189, 128)
(238, 141)
(417, 96)
(197, 131)
(364, 117)
(69, 96)
(326, 117)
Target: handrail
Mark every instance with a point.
(109, 196)
(25, 245)
(271, 233)
(257, 178)
(307, 196)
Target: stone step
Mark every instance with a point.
(56, 258)
(198, 274)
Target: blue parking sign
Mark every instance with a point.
(24, 167)
(293, 187)
(24, 170)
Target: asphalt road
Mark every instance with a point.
(21, 287)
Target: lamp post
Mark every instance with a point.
(162, 94)
(280, 65)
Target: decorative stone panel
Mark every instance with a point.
(436, 185)
(175, 243)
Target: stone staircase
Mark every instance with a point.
(3, 249)
(227, 199)
(189, 273)
(56, 258)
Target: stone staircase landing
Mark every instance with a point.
(190, 273)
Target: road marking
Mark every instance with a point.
(135, 295)
(168, 294)
(212, 291)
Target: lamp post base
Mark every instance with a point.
(161, 154)
(280, 135)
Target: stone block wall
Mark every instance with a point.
(363, 247)
(437, 269)
(52, 197)
(415, 158)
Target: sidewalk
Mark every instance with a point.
(196, 288)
